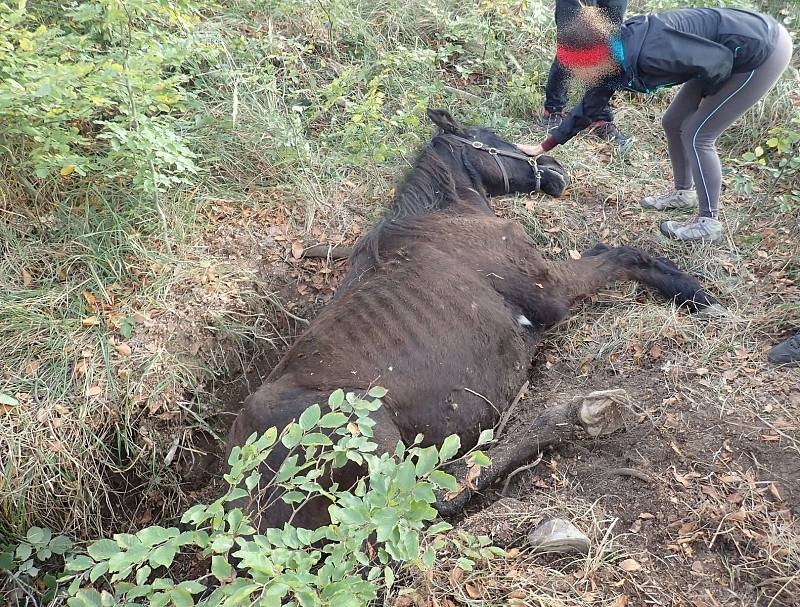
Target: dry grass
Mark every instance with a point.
(80, 460)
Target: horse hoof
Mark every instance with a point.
(600, 413)
(559, 535)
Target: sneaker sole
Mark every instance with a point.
(673, 236)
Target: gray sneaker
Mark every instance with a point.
(786, 353)
(707, 229)
(677, 199)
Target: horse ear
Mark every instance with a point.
(446, 122)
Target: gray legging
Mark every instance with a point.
(693, 123)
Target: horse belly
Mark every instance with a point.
(451, 365)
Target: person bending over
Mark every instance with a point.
(725, 58)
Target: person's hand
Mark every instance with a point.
(531, 150)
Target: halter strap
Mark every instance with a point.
(496, 153)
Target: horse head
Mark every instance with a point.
(498, 165)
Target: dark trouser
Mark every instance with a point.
(556, 91)
(693, 123)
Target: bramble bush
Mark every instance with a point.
(334, 565)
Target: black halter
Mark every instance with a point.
(495, 153)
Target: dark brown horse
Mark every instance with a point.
(443, 304)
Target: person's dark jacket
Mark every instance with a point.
(708, 44)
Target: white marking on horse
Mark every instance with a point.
(523, 321)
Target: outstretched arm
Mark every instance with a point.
(592, 106)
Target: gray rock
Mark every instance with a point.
(558, 535)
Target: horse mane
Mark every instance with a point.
(428, 186)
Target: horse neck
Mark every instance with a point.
(437, 181)
(434, 183)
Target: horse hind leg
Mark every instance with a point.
(664, 276)
(602, 265)
(598, 413)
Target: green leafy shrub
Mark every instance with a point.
(24, 559)
(334, 565)
(780, 159)
(93, 90)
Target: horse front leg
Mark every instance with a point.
(597, 414)
(603, 265)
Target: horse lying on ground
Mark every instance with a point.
(443, 304)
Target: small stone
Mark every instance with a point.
(558, 535)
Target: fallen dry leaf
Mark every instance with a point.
(26, 278)
(123, 348)
(775, 493)
(513, 553)
(473, 472)
(737, 517)
(456, 575)
(687, 528)
(90, 321)
(32, 367)
(574, 254)
(675, 448)
(80, 368)
(655, 352)
(629, 565)
(472, 591)
(685, 480)
(735, 498)
(297, 249)
(620, 601)
(94, 391)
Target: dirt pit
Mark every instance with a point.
(694, 503)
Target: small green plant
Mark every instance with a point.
(377, 528)
(780, 159)
(92, 90)
(22, 562)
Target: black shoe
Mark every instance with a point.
(551, 120)
(608, 131)
(787, 352)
